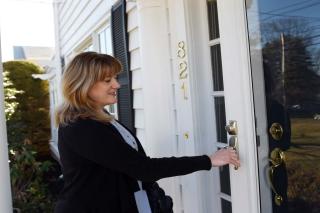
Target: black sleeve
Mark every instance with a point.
(96, 142)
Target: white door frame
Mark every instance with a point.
(182, 61)
(239, 102)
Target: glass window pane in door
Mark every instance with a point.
(220, 119)
(216, 68)
(225, 180)
(213, 19)
(226, 206)
(290, 50)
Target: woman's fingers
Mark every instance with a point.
(234, 158)
(225, 156)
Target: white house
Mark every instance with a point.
(193, 67)
(40, 55)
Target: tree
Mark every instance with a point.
(28, 106)
(290, 63)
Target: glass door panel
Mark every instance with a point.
(285, 50)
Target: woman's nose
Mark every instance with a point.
(116, 84)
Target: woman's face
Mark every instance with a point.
(105, 92)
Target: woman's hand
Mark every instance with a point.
(225, 156)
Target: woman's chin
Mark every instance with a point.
(113, 101)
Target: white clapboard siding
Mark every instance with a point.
(138, 99)
(79, 19)
(137, 79)
(135, 59)
(134, 39)
(137, 73)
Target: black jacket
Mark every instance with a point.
(101, 170)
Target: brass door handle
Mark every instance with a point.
(277, 158)
(233, 142)
(232, 130)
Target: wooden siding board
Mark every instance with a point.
(134, 39)
(138, 99)
(132, 19)
(64, 7)
(85, 29)
(72, 16)
(130, 5)
(139, 119)
(135, 59)
(87, 12)
(137, 79)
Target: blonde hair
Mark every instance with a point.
(80, 75)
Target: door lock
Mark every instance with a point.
(276, 131)
(232, 128)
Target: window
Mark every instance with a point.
(105, 45)
(88, 48)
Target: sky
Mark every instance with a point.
(25, 23)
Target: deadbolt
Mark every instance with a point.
(276, 131)
(232, 128)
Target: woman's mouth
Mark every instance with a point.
(113, 93)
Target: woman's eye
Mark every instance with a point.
(108, 80)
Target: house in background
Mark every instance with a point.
(193, 67)
(39, 55)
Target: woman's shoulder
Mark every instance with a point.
(84, 125)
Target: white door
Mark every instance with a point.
(239, 103)
(222, 89)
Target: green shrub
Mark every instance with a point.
(27, 105)
(29, 187)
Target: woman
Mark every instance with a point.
(105, 168)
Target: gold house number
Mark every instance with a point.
(183, 68)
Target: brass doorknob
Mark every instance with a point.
(232, 128)
(277, 157)
(276, 131)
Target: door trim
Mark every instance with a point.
(191, 197)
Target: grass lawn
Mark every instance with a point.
(303, 164)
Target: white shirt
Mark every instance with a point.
(141, 195)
